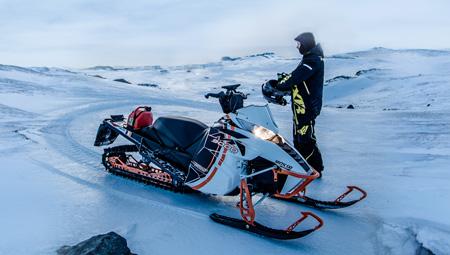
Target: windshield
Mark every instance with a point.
(259, 115)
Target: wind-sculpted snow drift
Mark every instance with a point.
(54, 190)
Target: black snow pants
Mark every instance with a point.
(305, 142)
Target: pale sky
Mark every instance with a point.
(81, 33)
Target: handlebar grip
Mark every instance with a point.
(215, 95)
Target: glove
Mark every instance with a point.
(281, 76)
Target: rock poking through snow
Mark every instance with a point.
(122, 80)
(110, 243)
(338, 78)
(152, 85)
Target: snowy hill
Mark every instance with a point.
(395, 144)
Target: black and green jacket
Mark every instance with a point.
(306, 85)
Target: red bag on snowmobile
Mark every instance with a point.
(141, 117)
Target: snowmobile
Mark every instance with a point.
(242, 154)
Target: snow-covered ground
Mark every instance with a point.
(395, 144)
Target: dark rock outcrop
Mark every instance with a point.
(106, 244)
(361, 72)
(102, 68)
(346, 77)
(264, 55)
(339, 78)
(98, 76)
(152, 85)
(227, 58)
(122, 80)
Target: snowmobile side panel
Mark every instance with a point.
(215, 164)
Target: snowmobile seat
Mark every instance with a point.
(172, 136)
(175, 132)
(149, 133)
(151, 140)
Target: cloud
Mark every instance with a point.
(85, 33)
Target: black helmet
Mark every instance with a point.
(271, 94)
(307, 42)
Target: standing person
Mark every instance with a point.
(306, 85)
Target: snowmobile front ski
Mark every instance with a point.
(248, 222)
(259, 229)
(336, 204)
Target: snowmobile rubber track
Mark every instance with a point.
(259, 229)
(122, 150)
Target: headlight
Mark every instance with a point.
(263, 133)
(266, 134)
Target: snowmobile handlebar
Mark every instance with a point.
(231, 100)
(221, 94)
(215, 95)
(230, 91)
